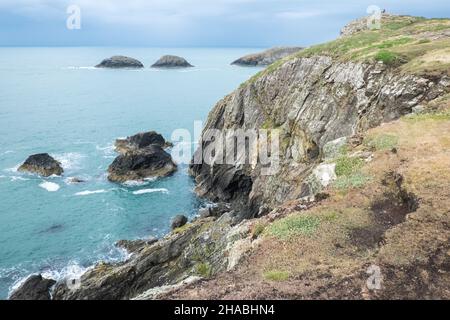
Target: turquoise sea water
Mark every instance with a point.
(52, 100)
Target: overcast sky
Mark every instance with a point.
(208, 23)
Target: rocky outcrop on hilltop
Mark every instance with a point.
(141, 140)
(119, 62)
(42, 164)
(266, 57)
(170, 61)
(34, 288)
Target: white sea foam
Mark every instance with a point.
(13, 169)
(70, 160)
(6, 152)
(144, 191)
(18, 178)
(88, 192)
(50, 186)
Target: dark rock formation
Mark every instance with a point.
(117, 62)
(151, 161)
(179, 221)
(34, 288)
(169, 61)
(133, 246)
(266, 57)
(141, 140)
(42, 164)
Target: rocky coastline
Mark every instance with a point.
(326, 109)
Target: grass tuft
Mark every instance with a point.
(381, 142)
(276, 275)
(293, 226)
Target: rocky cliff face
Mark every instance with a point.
(312, 101)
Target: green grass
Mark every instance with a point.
(203, 269)
(381, 142)
(293, 226)
(435, 116)
(276, 275)
(346, 165)
(389, 58)
(355, 180)
(258, 230)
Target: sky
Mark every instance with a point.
(191, 23)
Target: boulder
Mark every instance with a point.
(179, 221)
(141, 140)
(266, 57)
(149, 162)
(42, 164)
(34, 288)
(117, 62)
(169, 61)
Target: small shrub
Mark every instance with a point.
(258, 229)
(389, 58)
(293, 226)
(276, 275)
(204, 270)
(382, 142)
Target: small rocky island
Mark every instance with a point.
(120, 62)
(170, 61)
(141, 156)
(42, 164)
(266, 57)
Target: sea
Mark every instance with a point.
(53, 100)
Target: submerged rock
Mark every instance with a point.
(141, 140)
(149, 162)
(179, 221)
(266, 57)
(42, 164)
(169, 61)
(117, 62)
(34, 288)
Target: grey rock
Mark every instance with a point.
(42, 164)
(141, 140)
(34, 288)
(118, 62)
(266, 57)
(133, 246)
(179, 221)
(170, 61)
(148, 162)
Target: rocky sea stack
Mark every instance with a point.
(119, 62)
(141, 156)
(42, 164)
(266, 57)
(170, 61)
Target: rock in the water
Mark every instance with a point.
(42, 164)
(149, 162)
(75, 180)
(179, 221)
(266, 57)
(116, 62)
(34, 288)
(133, 246)
(141, 140)
(169, 61)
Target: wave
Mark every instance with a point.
(144, 191)
(78, 68)
(88, 192)
(70, 160)
(50, 186)
(18, 178)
